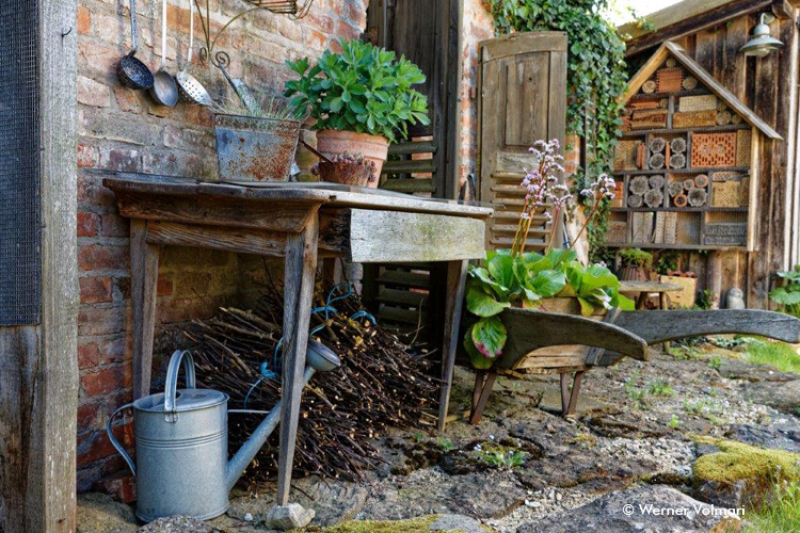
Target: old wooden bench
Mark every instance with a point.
(545, 337)
(297, 222)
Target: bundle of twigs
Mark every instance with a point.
(380, 384)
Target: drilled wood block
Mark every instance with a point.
(669, 80)
(648, 119)
(703, 102)
(744, 139)
(725, 193)
(642, 227)
(731, 234)
(744, 192)
(666, 227)
(694, 119)
(713, 150)
(617, 232)
(644, 104)
(625, 155)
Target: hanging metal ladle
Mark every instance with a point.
(164, 89)
(191, 90)
(132, 72)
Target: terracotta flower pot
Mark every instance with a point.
(374, 148)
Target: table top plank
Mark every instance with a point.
(327, 197)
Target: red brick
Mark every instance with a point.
(93, 93)
(113, 225)
(87, 224)
(115, 350)
(107, 380)
(88, 416)
(88, 156)
(84, 20)
(92, 192)
(121, 160)
(88, 356)
(104, 321)
(120, 485)
(128, 100)
(95, 290)
(96, 446)
(103, 257)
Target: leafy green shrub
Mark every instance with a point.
(788, 296)
(364, 89)
(635, 258)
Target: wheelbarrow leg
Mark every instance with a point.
(484, 381)
(569, 400)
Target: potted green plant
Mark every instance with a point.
(362, 99)
(635, 264)
(255, 142)
(554, 281)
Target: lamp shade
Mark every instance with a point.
(762, 43)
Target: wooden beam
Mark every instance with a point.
(144, 288)
(685, 18)
(386, 236)
(454, 298)
(38, 366)
(298, 291)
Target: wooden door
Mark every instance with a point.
(523, 95)
(405, 295)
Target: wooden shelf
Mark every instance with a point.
(702, 170)
(669, 131)
(680, 209)
(693, 92)
(660, 246)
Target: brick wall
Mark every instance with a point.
(477, 26)
(121, 129)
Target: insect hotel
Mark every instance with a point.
(688, 164)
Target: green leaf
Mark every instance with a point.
(548, 283)
(587, 309)
(479, 361)
(482, 304)
(489, 336)
(501, 268)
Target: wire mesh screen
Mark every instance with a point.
(20, 274)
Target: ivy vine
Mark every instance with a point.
(596, 76)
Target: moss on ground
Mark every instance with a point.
(738, 461)
(414, 525)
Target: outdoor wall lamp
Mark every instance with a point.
(761, 43)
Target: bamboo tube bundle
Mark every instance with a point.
(380, 384)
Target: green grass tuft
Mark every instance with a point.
(781, 514)
(778, 354)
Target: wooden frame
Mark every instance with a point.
(38, 368)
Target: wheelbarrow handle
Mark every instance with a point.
(114, 442)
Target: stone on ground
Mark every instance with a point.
(455, 522)
(782, 396)
(626, 512)
(286, 517)
(177, 524)
(98, 513)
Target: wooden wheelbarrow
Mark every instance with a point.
(569, 345)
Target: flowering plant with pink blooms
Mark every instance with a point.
(517, 278)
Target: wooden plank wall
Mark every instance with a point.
(769, 87)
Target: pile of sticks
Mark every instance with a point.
(381, 383)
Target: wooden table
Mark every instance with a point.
(299, 223)
(646, 288)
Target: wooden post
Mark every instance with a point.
(298, 289)
(144, 286)
(456, 275)
(714, 277)
(38, 363)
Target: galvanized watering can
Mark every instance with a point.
(181, 436)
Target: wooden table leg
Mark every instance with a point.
(300, 272)
(144, 283)
(454, 300)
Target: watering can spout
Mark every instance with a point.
(318, 358)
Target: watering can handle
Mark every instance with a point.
(171, 387)
(115, 442)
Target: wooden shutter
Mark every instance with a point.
(427, 33)
(523, 94)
